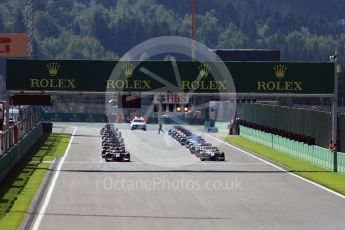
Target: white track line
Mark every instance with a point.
(158, 162)
(277, 167)
(51, 186)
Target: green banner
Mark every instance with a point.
(292, 78)
(163, 76)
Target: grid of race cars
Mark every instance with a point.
(114, 150)
(196, 144)
(113, 147)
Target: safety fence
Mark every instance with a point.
(308, 122)
(17, 151)
(310, 153)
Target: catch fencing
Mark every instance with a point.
(308, 122)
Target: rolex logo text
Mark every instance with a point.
(51, 82)
(280, 72)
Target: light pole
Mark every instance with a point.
(193, 28)
(29, 27)
(335, 59)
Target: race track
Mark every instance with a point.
(165, 187)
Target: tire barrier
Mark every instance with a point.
(318, 156)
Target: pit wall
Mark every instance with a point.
(74, 117)
(318, 156)
(10, 158)
(222, 127)
(102, 118)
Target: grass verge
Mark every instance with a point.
(19, 188)
(332, 180)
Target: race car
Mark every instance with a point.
(210, 153)
(197, 146)
(138, 123)
(121, 156)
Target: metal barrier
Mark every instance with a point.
(318, 156)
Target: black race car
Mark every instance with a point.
(118, 156)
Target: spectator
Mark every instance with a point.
(230, 126)
(332, 147)
(160, 124)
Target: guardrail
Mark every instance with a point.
(318, 156)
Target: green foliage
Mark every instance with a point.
(69, 46)
(19, 22)
(232, 38)
(301, 29)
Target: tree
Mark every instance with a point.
(115, 26)
(2, 26)
(45, 26)
(232, 38)
(19, 23)
(68, 46)
(101, 27)
(209, 29)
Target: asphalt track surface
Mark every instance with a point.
(165, 187)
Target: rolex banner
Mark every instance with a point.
(166, 76)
